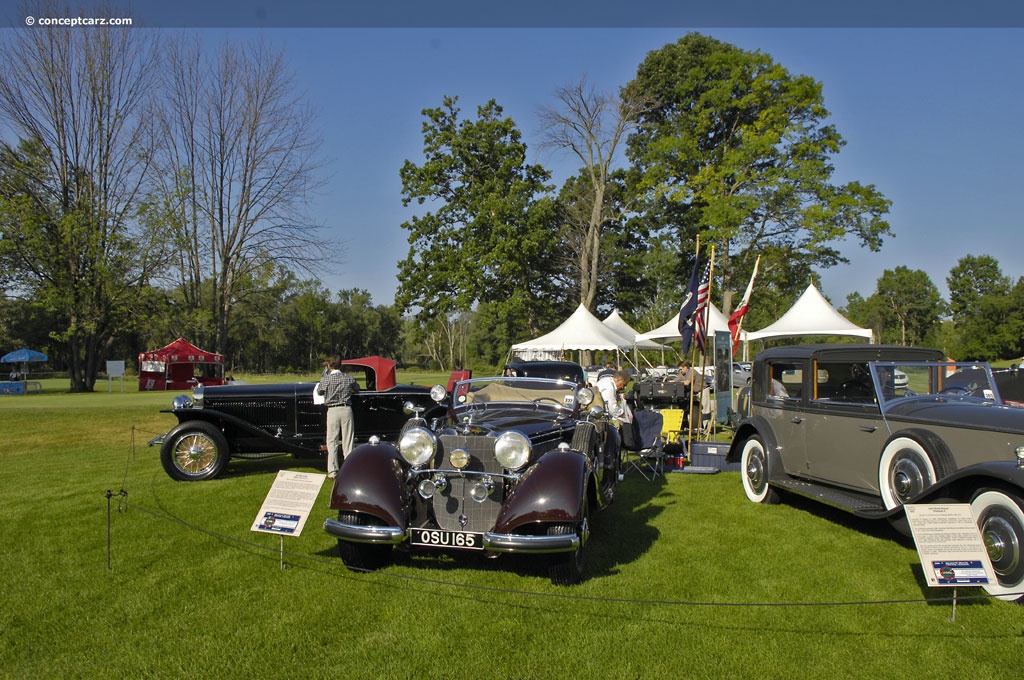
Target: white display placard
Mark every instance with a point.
(950, 546)
(288, 503)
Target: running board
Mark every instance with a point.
(862, 505)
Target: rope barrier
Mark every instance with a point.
(336, 563)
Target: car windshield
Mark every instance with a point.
(946, 380)
(510, 390)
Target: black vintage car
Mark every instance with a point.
(218, 423)
(870, 428)
(515, 466)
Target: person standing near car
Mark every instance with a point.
(338, 388)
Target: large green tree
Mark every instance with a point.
(905, 309)
(987, 308)
(490, 236)
(737, 149)
(75, 103)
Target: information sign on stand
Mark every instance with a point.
(950, 546)
(288, 504)
(115, 369)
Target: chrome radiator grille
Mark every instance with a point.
(454, 509)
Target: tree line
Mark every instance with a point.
(154, 187)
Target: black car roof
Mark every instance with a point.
(852, 352)
(561, 370)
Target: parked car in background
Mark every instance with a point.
(251, 421)
(556, 370)
(515, 466)
(740, 375)
(829, 422)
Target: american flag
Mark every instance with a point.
(701, 313)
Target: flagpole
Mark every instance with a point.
(704, 354)
(693, 355)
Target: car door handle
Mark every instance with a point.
(868, 428)
(796, 420)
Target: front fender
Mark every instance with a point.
(756, 425)
(552, 491)
(370, 482)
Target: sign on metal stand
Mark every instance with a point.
(950, 546)
(288, 504)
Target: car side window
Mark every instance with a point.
(844, 381)
(787, 381)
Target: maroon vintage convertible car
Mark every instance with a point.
(514, 466)
(247, 421)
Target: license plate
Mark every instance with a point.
(438, 538)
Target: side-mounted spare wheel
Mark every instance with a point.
(194, 451)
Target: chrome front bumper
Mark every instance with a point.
(503, 543)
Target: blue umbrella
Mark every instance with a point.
(21, 356)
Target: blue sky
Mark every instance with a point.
(931, 116)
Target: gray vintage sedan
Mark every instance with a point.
(869, 428)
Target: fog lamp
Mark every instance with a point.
(459, 458)
(426, 489)
(481, 490)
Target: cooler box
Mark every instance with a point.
(712, 455)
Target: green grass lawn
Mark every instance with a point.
(686, 579)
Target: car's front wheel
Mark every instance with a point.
(567, 569)
(905, 470)
(1000, 519)
(754, 466)
(194, 451)
(362, 556)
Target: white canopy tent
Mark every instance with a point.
(670, 329)
(619, 325)
(581, 331)
(811, 314)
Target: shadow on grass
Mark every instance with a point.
(884, 530)
(621, 533)
(271, 464)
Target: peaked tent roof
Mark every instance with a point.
(582, 330)
(670, 329)
(811, 314)
(182, 351)
(619, 325)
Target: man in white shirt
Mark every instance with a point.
(609, 387)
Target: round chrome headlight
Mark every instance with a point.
(512, 450)
(417, 446)
(181, 401)
(438, 393)
(585, 396)
(197, 395)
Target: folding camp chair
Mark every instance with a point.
(672, 425)
(645, 453)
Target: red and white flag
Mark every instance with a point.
(736, 318)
